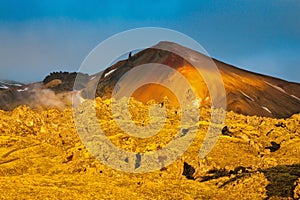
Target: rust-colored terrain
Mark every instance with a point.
(247, 93)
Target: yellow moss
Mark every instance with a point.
(42, 156)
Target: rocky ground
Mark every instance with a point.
(42, 157)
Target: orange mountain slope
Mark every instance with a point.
(247, 93)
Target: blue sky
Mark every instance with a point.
(37, 37)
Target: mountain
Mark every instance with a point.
(247, 93)
(6, 84)
(55, 91)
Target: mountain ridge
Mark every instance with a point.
(247, 93)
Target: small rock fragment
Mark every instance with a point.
(188, 171)
(275, 146)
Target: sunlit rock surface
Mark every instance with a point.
(42, 156)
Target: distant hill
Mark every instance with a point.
(6, 84)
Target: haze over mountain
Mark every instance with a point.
(247, 93)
